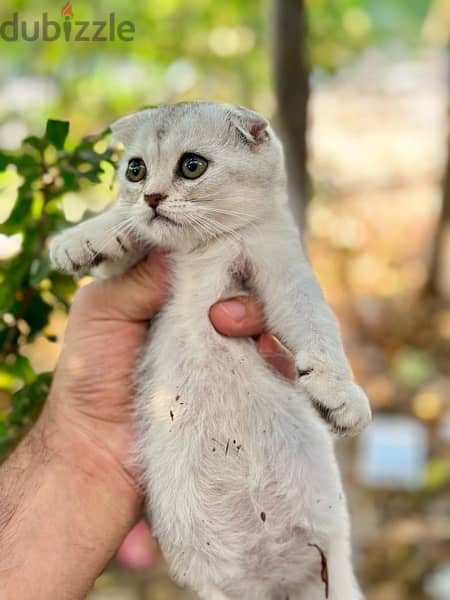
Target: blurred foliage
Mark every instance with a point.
(29, 291)
(339, 30)
(200, 49)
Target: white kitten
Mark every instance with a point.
(244, 492)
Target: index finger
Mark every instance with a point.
(137, 295)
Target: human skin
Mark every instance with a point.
(70, 493)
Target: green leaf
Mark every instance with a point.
(36, 142)
(57, 132)
(21, 368)
(69, 178)
(5, 160)
(28, 166)
(89, 141)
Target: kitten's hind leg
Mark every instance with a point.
(342, 584)
(310, 590)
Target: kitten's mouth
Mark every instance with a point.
(164, 219)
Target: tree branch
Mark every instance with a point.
(432, 287)
(291, 79)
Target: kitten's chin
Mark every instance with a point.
(165, 234)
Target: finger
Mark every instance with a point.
(134, 296)
(139, 550)
(277, 355)
(242, 316)
(139, 294)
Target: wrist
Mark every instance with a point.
(66, 506)
(105, 490)
(88, 447)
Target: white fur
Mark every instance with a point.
(244, 492)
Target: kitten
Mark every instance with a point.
(244, 492)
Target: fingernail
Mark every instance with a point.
(233, 309)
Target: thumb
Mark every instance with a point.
(134, 296)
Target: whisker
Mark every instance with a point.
(224, 211)
(218, 228)
(121, 228)
(198, 227)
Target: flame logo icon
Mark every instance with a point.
(67, 10)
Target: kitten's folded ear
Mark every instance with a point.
(124, 129)
(251, 126)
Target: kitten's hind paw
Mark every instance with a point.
(342, 404)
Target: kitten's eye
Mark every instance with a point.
(136, 170)
(192, 166)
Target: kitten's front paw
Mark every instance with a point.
(340, 402)
(72, 251)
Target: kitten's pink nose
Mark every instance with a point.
(154, 199)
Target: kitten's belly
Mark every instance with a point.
(228, 452)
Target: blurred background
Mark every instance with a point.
(360, 91)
